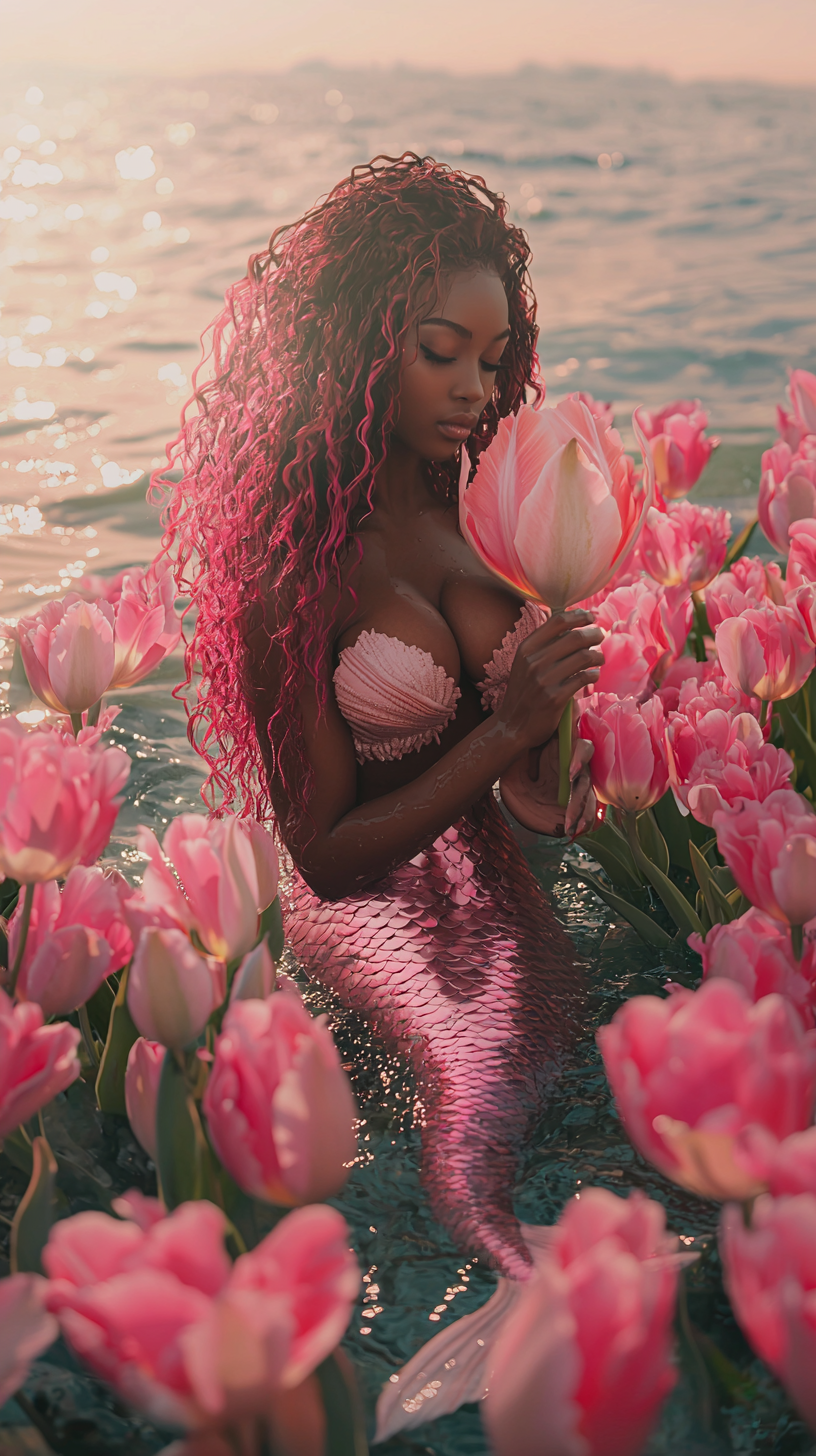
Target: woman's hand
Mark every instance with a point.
(551, 665)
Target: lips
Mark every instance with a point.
(458, 427)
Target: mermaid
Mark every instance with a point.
(366, 682)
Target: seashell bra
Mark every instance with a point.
(396, 699)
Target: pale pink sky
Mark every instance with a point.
(772, 40)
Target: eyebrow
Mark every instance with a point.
(461, 330)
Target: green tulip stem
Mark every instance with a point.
(763, 713)
(565, 754)
(88, 1037)
(93, 713)
(76, 724)
(796, 941)
(28, 901)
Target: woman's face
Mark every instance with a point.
(449, 368)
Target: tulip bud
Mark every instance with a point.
(254, 979)
(629, 766)
(171, 990)
(279, 1107)
(68, 653)
(266, 861)
(142, 1077)
(765, 652)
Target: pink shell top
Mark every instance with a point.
(396, 699)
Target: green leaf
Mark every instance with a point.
(99, 1008)
(122, 1033)
(345, 1422)
(720, 910)
(272, 928)
(798, 740)
(648, 929)
(684, 917)
(613, 854)
(185, 1164)
(652, 841)
(35, 1212)
(677, 829)
(739, 544)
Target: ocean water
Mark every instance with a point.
(674, 237)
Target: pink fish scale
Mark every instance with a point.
(457, 959)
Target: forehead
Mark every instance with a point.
(475, 299)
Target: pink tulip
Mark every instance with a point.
(787, 493)
(26, 1329)
(172, 990)
(802, 393)
(67, 651)
(279, 1107)
(584, 1359)
(75, 939)
(802, 558)
(601, 410)
(256, 976)
(629, 767)
(105, 588)
(765, 652)
(637, 619)
(783, 1167)
(693, 689)
(553, 507)
(770, 849)
(162, 1316)
(147, 628)
(36, 1061)
(226, 870)
(720, 759)
(58, 802)
(142, 1077)
(677, 445)
(691, 1072)
(755, 951)
(751, 582)
(770, 1275)
(685, 545)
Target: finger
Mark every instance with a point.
(567, 643)
(558, 624)
(566, 667)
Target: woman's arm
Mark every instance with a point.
(341, 846)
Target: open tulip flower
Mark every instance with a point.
(554, 506)
(802, 557)
(146, 626)
(691, 1072)
(796, 427)
(157, 1310)
(787, 493)
(677, 445)
(58, 801)
(770, 1275)
(584, 1359)
(770, 849)
(750, 582)
(755, 951)
(640, 622)
(766, 651)
(75, 939)
(721, 758)
(684, 545)
(68, 652)
(36, 1061)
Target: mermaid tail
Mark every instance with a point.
(457, 959)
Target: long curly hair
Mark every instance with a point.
(289, 422)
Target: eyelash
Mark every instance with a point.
(440, 359)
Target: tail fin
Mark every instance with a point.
(454, 1366)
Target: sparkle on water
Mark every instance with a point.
(673, 256)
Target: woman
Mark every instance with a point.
(362, 672)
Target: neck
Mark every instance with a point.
(401, 488)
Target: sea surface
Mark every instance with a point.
(674, 237)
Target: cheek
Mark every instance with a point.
(419, 392)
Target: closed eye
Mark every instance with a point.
(444, 359)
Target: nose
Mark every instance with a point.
(469, 385)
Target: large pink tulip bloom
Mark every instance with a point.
(601, 410)
(802, 557)
(228, 871)
(755, 951)
(684, 545)
(67, 651)
(279, 1107)
(678, 448)
(142, 1077)
(26, 1329)
(172, 990)
(75, 939)
(751, 582)
(770, 849)
(770, 1275)
(584, 1360)
(721, 758)
(160, 1314)
(796, 427)
(554, 506)
(645, 626)
(629, 766)
(691, 1072)
(695, 688)
(766, 652)
(787, 493)
(36, 1061)
(58, 802)
(146, 626)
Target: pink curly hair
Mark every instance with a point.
(280, 444)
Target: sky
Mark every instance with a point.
(769, 40)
